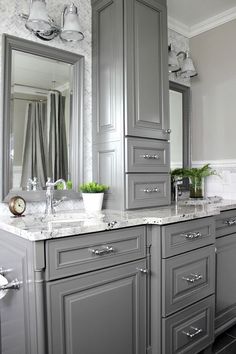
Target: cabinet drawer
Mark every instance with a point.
(186, 236)
(187, 278)
(144, 191)
(226, 223)
(83, 253)
(146, 155)
(191, 330)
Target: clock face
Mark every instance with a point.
(17, 205)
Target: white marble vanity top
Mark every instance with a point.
(40, 227)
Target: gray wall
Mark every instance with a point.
(214, 94)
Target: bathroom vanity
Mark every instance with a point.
(122, 282)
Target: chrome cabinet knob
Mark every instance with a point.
(167, 131)
(143, 271)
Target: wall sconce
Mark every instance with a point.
(181, 64)
(42, 26)
(173, 63)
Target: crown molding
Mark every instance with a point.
(201, 27)
(178, 27)
(213, 22)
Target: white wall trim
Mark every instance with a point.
(178, 27)
(210, 23)
(216, 163)
(213, 22)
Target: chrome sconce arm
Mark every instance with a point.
(44, 27)
(181, 63)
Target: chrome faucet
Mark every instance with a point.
(50, 202)
(32, 183)
(177, 182)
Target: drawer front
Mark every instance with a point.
(187, 278)
(144, 191)
(226, 223)
(83, 253)
(186, 236)
(191, 330)
(145, 155)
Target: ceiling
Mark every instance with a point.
(39, 72)
(196, 16)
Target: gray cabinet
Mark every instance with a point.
(22, 326)
(225, 282)
(79, 294)
(102, 312)
(146, 69)
(130, 104)
(182, 286)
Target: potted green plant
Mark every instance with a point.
(196, 178)
(93, 193)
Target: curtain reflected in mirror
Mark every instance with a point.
(41, 116)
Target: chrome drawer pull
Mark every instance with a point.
(192, 235)
(151, 190)
(13, 285)
(148, 156)
(230, 222)
(144, 271)
(192, 278)
(192, 335)
(105, 250)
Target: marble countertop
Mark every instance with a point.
(36, 227)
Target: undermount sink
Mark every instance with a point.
(70, 217)
(204, 201)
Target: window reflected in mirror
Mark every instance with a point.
(176, 124)
(180, 139)
(41, 99)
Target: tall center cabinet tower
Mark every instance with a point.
(131, 102)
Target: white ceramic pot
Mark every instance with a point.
(92, 201)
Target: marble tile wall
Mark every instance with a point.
(12, 24)
(179, 43)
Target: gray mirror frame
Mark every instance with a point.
(10, 43)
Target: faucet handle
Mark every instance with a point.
(58, 202)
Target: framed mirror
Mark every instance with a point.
(180, 148)
(42, 110)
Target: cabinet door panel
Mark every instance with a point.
(99, 313)
(107, 69)
(225, 282)
(146, 76)
(15, 332)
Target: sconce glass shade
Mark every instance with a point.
(71, 31)
(187, 68)
(38, 20)
(173, 63)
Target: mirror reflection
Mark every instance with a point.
(41, 99)
(176, 124)
(180, 147)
